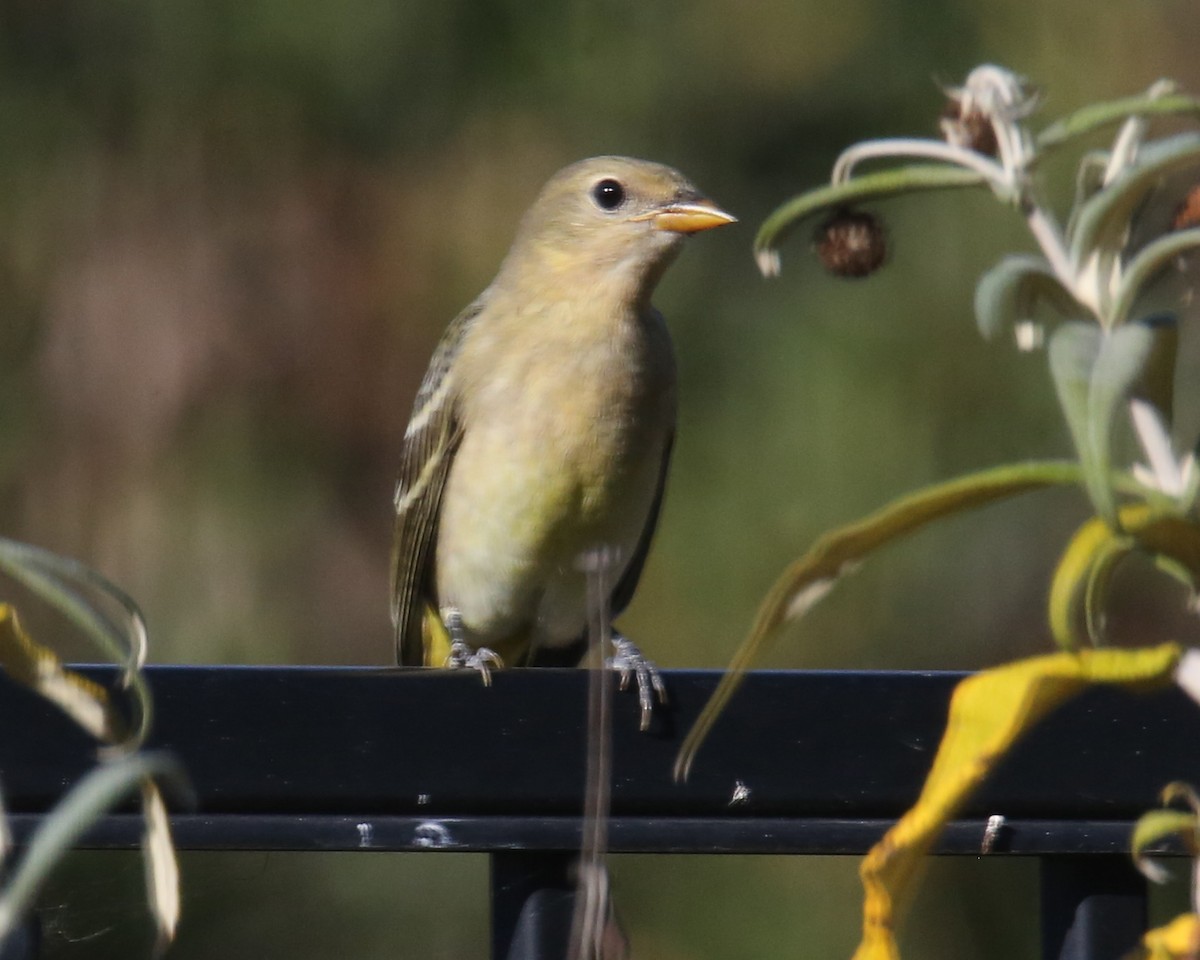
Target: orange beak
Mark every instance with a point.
(689, 217)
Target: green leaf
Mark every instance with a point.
(1089, 176)
(1073, 350)
(868, 187)
(1148, 262)
(1089, 180)
(1095, 372)
(1103, 220)
(55, 578)
(1008, 293)
(1177, 571)
(97, 793)
(1118, 370)
(840, 551)
(1096, 116)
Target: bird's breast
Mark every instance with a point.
(562, 447)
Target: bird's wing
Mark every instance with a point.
(623, 592)
(430, 441)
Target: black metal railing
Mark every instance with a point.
(340, 758)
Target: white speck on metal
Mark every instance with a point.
(991, 832)
(432, 835)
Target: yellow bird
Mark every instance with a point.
(542, 430)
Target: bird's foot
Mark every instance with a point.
(630, 663)
(463, 655)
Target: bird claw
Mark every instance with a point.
(483, 660)
(631, 663)
(463, 655)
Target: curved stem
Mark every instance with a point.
(991, 171)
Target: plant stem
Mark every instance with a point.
(991, 171)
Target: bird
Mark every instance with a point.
(541, 433)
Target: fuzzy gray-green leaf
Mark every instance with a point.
(1008, 293)
(55, 579)
(1119, 367)
(1072, 351)
(1148, 262)
(1096, 116)
(97, 793)
(1104, 219)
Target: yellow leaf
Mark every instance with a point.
(1178, 791)
(1177, 940)
(1155, 827)
(36, 666)
(1081, 579)
(988, 713)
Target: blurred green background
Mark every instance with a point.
(231, 233)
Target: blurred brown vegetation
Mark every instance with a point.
(231, 232)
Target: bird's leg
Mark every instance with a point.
(630, 662)
(462, 654)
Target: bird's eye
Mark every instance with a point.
(608, 194)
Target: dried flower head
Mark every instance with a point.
(851, 243)
(967, 127)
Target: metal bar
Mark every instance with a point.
(708, 835)
(818, 763)
(850, 746)
(1093, 908)
(532, 902)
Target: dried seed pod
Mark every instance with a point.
(851, 243)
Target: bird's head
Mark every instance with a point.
(611, 219)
